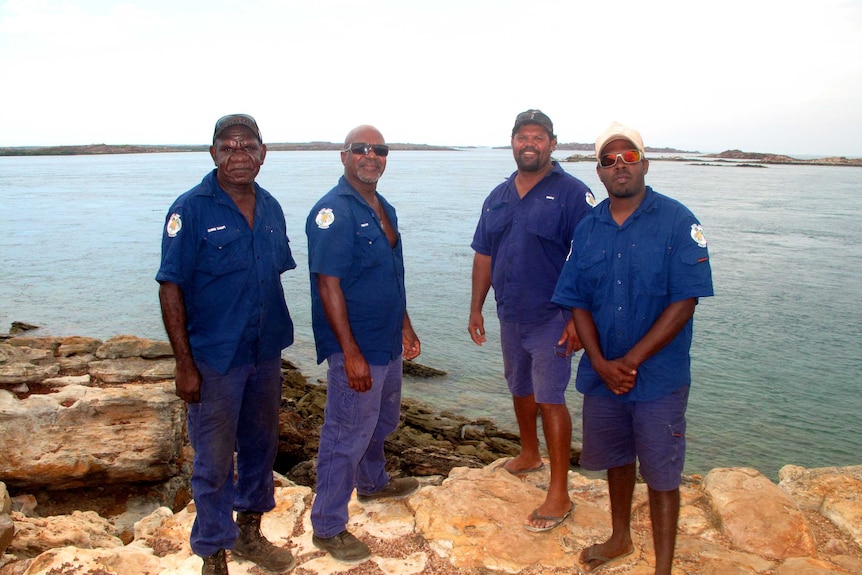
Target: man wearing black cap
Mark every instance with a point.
(638, 266)
(224, 248)
(521, 241)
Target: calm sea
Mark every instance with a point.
(777, 361)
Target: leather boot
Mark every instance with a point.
(215, 564)
(253, 546)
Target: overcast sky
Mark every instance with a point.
(757, 75)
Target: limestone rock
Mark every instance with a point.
(757, 516)
(77, 345)
(81, 529)
(80, 435)
(121, 346)
(832, 491)
(21, 364)
(128, 369)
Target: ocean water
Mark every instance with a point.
(777, 368)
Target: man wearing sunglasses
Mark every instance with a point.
(520, 243)
(638, 265)
(362, 330)
(226, 318)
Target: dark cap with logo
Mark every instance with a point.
(226, 122)
(533, 117)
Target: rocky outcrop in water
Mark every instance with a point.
(95, 473)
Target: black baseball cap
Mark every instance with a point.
(533, 117)
(226, 122)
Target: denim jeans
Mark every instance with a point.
(237, 411)
(351, 441)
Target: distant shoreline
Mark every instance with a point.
(736, 158)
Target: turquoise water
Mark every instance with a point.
(776, 359)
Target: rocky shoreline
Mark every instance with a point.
(96, 467)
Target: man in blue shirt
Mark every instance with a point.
(521, 241)
(638, 265)
(360, 322)
(224, 248)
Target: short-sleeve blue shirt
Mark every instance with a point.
(230, 275)
(626, 276)
(528, 239)
(347, 241)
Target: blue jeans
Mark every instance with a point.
(351, 441)
(237, 411)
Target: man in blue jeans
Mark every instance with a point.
(224, 248)
(360, 322)
(638, 266)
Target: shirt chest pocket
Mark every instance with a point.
(592, 269)
(372, 246)
(497, 218)
(223, 252)
(544, 221)
(649, 268)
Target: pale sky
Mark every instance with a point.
(761, 76)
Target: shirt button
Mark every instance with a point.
(619, 282)
(620, 308)
(619, 255)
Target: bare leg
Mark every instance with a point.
(621, 488)
(557, 425)
(526, 412)
(664, 514)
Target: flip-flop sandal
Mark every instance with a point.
(593, 555)
(556, 521)
(539, 467)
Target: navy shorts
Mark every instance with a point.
(616, 433)
(532, 362)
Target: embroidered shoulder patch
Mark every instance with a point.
(697, 235)
(175, 224)
(590, 198)
(324, 218)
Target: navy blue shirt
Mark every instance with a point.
(626, 275)
(528, 239)
(229, 275)
(346, 240)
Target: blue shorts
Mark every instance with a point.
(653, 432)
(532, 362)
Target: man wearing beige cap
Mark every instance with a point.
(638, 265)
(224, 248)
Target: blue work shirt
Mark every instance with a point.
(347, 241)
(528, 239)
(625, 276)
(229, 275)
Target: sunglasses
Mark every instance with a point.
(628, 157)
(359, 148)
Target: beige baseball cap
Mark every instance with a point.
(617, 131)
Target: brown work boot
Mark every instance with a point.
(215, 564)
(253, 546)
(396, 489)
(343, 547)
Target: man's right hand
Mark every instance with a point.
(358, 372)
(188, 383)
(618, 377)
(476, 327)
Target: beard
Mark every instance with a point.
(369, 172)
(531, 164)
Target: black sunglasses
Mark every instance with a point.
(363, 149)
